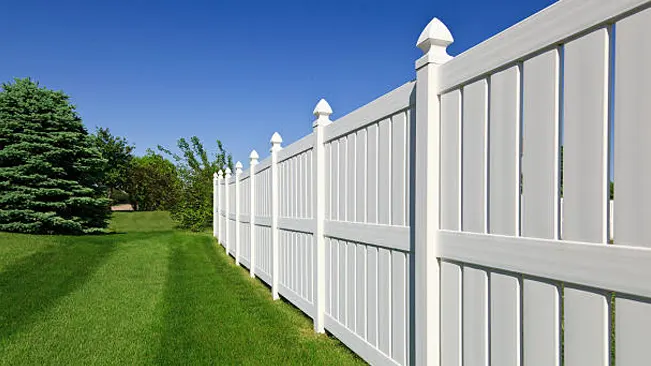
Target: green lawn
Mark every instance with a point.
(148, 294)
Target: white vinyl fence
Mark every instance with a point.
(428, 228)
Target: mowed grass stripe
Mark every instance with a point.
(34, 283)
(216, 313)
(12, 250)
(149, 295)
(113, 318)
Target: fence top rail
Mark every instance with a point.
(296, 148)
(263, 165)
(551, 26)
(390, 103)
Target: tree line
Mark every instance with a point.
(57, 178)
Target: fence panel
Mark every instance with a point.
(263, 221)
(368, 175)
(507, 248)
(296, 242)
(558, 92)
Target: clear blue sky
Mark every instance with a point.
(154, 71)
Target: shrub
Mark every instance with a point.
(194, 208)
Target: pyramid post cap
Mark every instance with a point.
(253, 157)
(322, 108)
(276, 139)
(238, 165)
(228, 171)
(215, 175)
(434, 34)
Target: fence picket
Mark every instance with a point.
(632, 175)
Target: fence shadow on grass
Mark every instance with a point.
(36, 283)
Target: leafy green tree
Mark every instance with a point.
(49, 168)
(117, 154)
(194, 207)
(153, 183)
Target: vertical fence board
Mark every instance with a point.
(398, 169)
(450, 160)
(384, 301)
(291, 269)
(540, 323)
(335, 279)
(281, 181)
(303, 259)
(632, 131)
(342, 281)
(304, 198)
(284, 252)
(633, 327)
(350, 283)
(361, 177)
(475, 317)
(351, 176)
(309, 173)
(311, 268)
(334, 173)
(504, 152)
(399, 307)
(284, 258)
(296, 266)
(539, 146)
(411, 117)
(328, 182)
(384, 173)
(307, 270)
(505, 319)
(372, 297)
(361, 279)
(372, 168)
(585, 160)
(343, 163)
(473, 183)
(451, 302)
(540, 201)
(293, 183)
(633, 173)
(328, 276)
(302, 247)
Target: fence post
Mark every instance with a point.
(322, 112)
(227, 212)
(215, 207)
(253, 161)
(220, 209)
(276, 140)
(433, 41)
(238, 173)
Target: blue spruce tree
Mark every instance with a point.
(49, 167)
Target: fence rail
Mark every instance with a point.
(464, 217)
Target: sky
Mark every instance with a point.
(238, 71)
